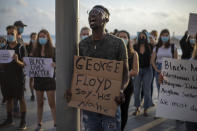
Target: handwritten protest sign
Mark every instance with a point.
(192, 26)
(38, 67)
(178, 93)
(96, 83)
(6, 56)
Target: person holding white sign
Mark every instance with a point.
(164, 49)
(2, 77)
(14, 79)
(190, 126)
(45, 49)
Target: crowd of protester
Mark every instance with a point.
(142, 57)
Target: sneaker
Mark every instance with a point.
(32, 98)
(22, 126)
(136, 113)
(38, 128)
(7, 122)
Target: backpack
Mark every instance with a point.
(172, 50)
(19, 49)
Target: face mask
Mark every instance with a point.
(10, 38)
(125, 41)
(20, 30)
(42, 41)
(83, 37)
(2, 45)
(192, 41)
(164, 39)
(142, 41)
(33, 41)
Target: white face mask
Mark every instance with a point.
(83, 37)
(125, 41)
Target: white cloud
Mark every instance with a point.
(22, 3)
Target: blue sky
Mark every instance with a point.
(131, 15)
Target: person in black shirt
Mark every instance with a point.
(145, 75)
(105, 46)
(30, 48)
(14, 79)
(187, 45)
(2, 75)
(133, 71)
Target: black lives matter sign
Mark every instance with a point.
(95, 84)
(38, 67)
(178, 93)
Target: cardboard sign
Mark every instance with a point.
(6, 56)
(96, 83)
(38, 67)
(178, 93)
(192, 26)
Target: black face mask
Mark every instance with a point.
(142, 41)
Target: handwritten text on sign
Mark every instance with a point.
(178, 93)
(96, 83)
(6, 56)
(38, 67)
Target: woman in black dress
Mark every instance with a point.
(44, 49)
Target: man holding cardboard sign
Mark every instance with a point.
(98, 78)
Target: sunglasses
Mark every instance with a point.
(97, 11)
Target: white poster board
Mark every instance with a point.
(178, 93)
(38, 67)
(6, 56)
(192, 26)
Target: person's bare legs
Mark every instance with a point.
(40, 105)
(51, 101)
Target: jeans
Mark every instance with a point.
(159, 66)
(143, 78)
(97, 122)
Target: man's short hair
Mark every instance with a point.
(11, 27)
(84, 28)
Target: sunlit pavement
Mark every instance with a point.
(135, 123)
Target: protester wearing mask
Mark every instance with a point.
(20, 29)
(145, 74)
(164, 49)
(187, 45)
(14, 79)
(153, 41)
(105, 46)
(190, 126)
(85, 32)
(45, 49)
(2, 72)
(133, 71)
(30, 48)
